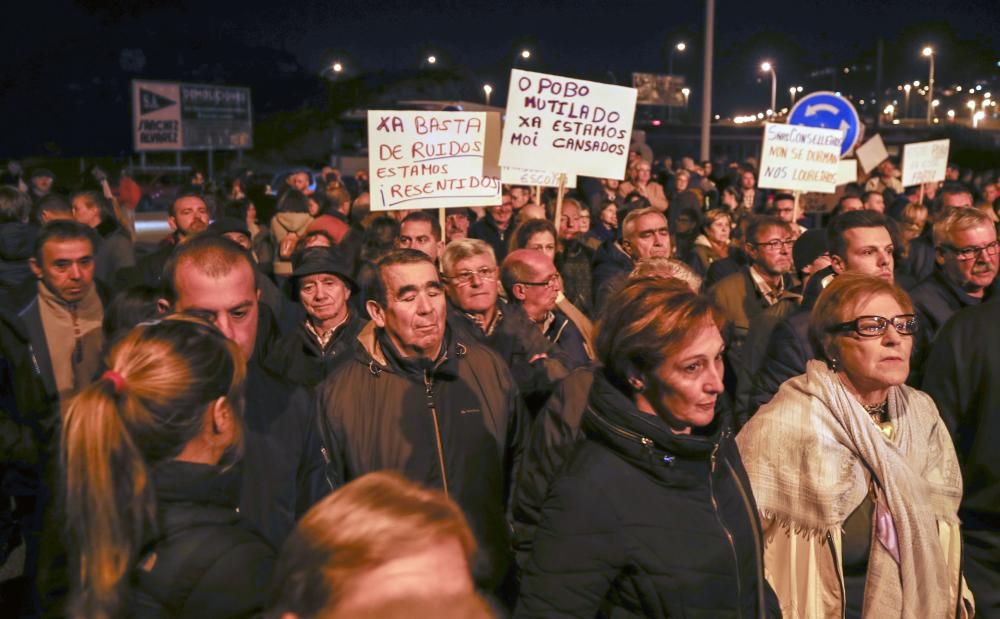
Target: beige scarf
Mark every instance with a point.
(807, 452)
(74, 339)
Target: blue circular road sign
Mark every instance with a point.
(830, 111)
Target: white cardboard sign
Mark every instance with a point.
(560, 124)
(872, 153)
(924, 162)
(521, 176)
(799, 158)
(421, 160)
(847, 171)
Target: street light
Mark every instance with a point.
(680, 47)
(525, 53)
(337, 67)
(906, 107)
(431, 59)
(687, 92)
(951, 115)
(978, 116)
(929, 53)
(488, 90)
(768, 67)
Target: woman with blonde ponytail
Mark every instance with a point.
(150, 494)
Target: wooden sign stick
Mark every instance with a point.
(442, 219)
(538, 195)
(559, 201)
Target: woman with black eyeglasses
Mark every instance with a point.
(854, 473)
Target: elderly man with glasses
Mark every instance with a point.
(533, 284)
(471, 277)
(965, 274)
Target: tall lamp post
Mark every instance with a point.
(929, 53)
(767, 67)
(906, 107)
(487, 90)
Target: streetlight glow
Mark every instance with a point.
(525, 53)
(681, 46)
(488, 90)
(916, 83)
(432, 59)
(765, 66)
(337, 67)
(928, 51)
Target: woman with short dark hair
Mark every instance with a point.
(652, 514)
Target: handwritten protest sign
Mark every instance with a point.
(799, 158)
(872, 153)
(924, 162)
(428, 160)
(520, 176)
(564, 125)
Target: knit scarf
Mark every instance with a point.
(74, 339)
(807, 452)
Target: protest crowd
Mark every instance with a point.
(682, 397)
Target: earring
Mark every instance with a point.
(834, 365)
(637, 384)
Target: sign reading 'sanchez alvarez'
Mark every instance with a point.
(799, 158)
(421, 160)
(179, 116)
(563, 125)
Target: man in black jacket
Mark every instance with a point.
(188, 215)
(213, 278)
(965, 357)
(423, 400)
(496, 227)
(471, 277)
(322, 283)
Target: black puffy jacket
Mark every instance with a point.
(646, 523)
(298, 357)
(205, 561)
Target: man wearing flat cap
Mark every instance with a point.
(321, 282)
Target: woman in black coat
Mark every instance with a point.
(150, 494)
(652, 515)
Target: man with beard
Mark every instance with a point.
(188, 215)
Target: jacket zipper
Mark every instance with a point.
(729, 535)
(429, 385)
(840, 577)
(646, 442)
(757, 535)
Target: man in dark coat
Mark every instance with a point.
(965, 357)
(965, 242)
(322, 283)
(645, 234)
(478, 314)
(496, 227)
(17, 240)
(282, 466)
(188, 215)
(423, 400)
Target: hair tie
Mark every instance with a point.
(117, 380)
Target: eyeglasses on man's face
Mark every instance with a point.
(553, 282)
(971, 253)
(464, 278)
(775, 244)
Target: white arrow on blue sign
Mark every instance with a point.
(829, 111)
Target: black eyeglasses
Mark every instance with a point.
(969, 253)
(551, 283)
(775, 244)
(875, 326)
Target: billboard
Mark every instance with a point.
(657, 89)
(178, 116)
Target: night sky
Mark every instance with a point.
(604, 41)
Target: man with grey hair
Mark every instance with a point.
(645, 234)
(965, 274)
(471, 280)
